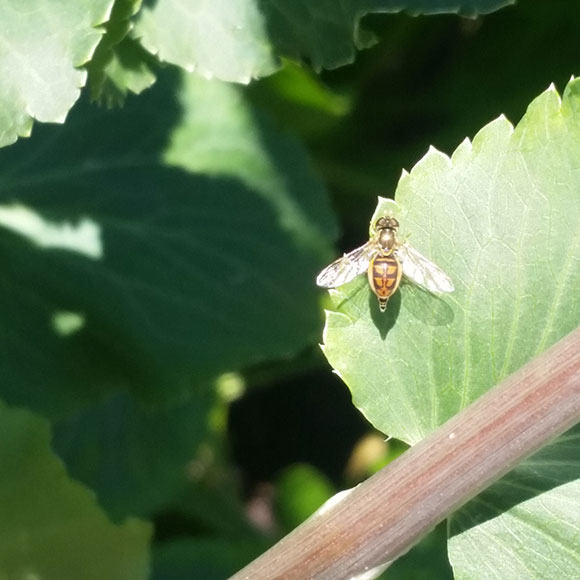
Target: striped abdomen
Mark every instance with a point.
(384, 277)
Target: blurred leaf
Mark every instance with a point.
(422, 85)
(299, 85)
(240, 40)
(51, 527)
(370, 454)
(301, 490)
(300, 101)
(178, 277)
(207, 559)
(526, 524)
(134, 457)
(212, 503)
(42, 45)
(427, 559)
(499, 216)
(119, 64)
(328, 36)
(221, 135)
(130, 70)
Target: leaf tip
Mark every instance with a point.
(405, 176)
(433, 155)
(553, 91)
(503, 123)
(462, 152)
(572, 93)
(498, 131)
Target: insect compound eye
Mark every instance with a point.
(387, 223)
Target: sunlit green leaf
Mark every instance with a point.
(526, 525)
(42, 44)
(243, 39)
(225, 39)
(51, 526)
(502, 217)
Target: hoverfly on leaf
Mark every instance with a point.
(386, 260)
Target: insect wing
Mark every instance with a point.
(347, 267)
(423, 272)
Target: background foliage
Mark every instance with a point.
(159, 368)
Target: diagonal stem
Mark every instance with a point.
(385, 516)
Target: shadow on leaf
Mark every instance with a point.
(429, 308)
(384, 321)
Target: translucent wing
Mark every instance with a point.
(347, 267)
(421, 271)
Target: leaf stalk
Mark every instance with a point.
(383, 517)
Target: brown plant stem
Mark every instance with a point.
(385, 516)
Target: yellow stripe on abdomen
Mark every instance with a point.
(384, 276)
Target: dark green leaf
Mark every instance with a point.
(174, 277)
(134, 457)
(208, 558)
(51, 527)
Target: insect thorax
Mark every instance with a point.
(386, 241)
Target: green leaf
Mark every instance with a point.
(132, 456)
(301, 490)
(427, 559)
(299, 99)
(212, 502)
(501, 217)
(130, 70)
(42, 44)
(207, 558)
(221, 135)
(225, 40)
(119, 64)
(526, 525)
(176, 277)
(244, 39)
(51, 527)
(536, 528)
